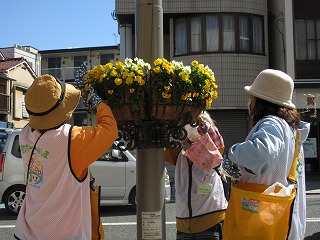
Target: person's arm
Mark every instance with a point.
(89, 143)
(170, 156)
(260, 151)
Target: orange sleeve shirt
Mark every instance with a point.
(87, 144)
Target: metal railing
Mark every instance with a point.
(64, 73)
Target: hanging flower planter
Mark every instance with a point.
(165, 92)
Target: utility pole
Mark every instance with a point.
(150, 162)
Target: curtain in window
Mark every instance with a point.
(300, 40)
(244, 33)
(180, 36)
(228, 33)
(311, 41)
(257, 34)
(212, 33)
(195, 43)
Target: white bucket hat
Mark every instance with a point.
(273, 86)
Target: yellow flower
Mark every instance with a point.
(167, 88)
(125, 74)
(140, 80)
(194, 63)
(214, 94)
(157, 69)
(131, 90)
(108, 66)
(118, 81)
(119, 65)
(208, 102)
(113, 73)
(158, 61)
(139, 72)
(110, 91)
(166, 95)
(131, 74)
(184, 96)
(102, 76)
(129, 80)
(184, 76)
(195, 94)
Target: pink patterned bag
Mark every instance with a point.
(205, 151)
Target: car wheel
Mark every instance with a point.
(133, 198)
(14, 198)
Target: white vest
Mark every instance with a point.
(57, 204)
(187, 192)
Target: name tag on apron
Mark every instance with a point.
(204, 188)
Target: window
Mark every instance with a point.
(219, 32)
(80, 119)
(105, 58)
(228, 33)
(307, 39)
(180, 41)
(196, 37)
(212, 33)
(15, 151)
(54, 65)
(244, 34)
(79, 60)
(257, 30)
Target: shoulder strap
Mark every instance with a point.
(34, 147)
(293, 170)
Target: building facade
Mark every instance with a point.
(64, 63)
(16, 75)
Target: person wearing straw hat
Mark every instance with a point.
(57, 202)
(265, 157)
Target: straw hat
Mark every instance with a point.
(273, 86)
(50, 102)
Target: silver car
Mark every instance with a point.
(114, 171)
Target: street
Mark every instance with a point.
(120, 221)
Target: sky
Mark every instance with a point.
(58, 24)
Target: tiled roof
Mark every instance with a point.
(10, 63)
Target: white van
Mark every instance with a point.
(114, 171)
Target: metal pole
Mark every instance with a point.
(150, 163)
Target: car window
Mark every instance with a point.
(15, 151)
(107, 156)
(3, 139)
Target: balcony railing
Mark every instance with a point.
(4, 103)
(64, 74)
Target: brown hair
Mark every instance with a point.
(263, 108)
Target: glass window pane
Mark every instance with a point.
(257, 30)
(106, 58)
(212, 33)
(228, 33)
(244, 33)
(300, 40)
(79, 60)
(195, 41)
(310, 29)
(311, 50)
(318, 29)
(318, 49)
(180, 36)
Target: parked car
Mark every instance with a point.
(114, 171)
